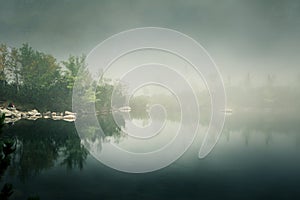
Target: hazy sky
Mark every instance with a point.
(241, 36)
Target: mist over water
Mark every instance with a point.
(255, 46)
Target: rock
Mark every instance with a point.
(125, 109)
(10, 120)
(32, 118)
(69, 120)
(69, 113)
(11, 108)
(15, 115)
(23, 115)
(69, 117)
(57, 117)
(8, 115)
(30, 113)
(48, 113)
(33, 113)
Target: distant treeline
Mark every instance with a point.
(246, 97)
(33, 79)
(271, 96)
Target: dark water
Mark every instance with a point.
(255, 158)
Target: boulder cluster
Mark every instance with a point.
(13, 115)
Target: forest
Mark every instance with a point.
(36, 80)
(32, 79)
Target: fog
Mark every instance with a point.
(257, 37)
(140, 108)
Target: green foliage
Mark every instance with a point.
(73, 65)
(106, 92)
(35, 80)
(2, 118)
(103, 95)
(3, 64)
(3, 61)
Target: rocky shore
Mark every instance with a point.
(13, 115)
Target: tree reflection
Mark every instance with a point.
(7, 147)
(111, 124)
(74, 154)
(42, 143)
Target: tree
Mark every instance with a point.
(26, 59)
(40, 72)
(77, 73)
(73, 65)
(34, 79)
(3, 64)
(13, 68)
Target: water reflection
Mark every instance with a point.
(41, 146)
(262, 124)
(74, 154)
(250, 144)
(7, 147)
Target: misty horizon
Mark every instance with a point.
(256, 37)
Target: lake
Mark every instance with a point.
(257, 157)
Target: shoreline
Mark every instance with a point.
(12, 115)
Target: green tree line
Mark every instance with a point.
(33, 79)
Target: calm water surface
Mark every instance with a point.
(255, 158)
